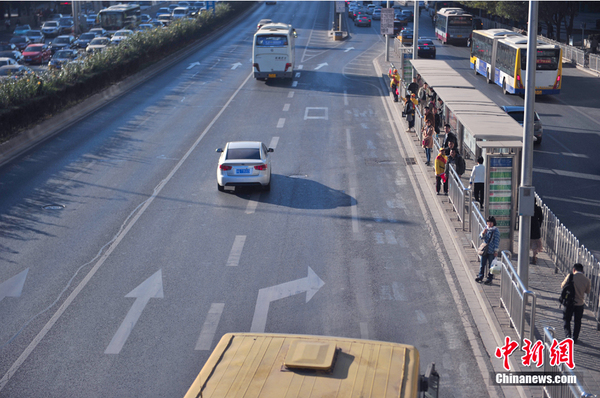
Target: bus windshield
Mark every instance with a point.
(112, 21)
(546, 59)
(272, 41)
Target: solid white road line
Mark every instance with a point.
(236, 251)
(209, 328)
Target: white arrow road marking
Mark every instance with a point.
(321, 65)
(311, 285)
(209, 329)
(13, 287)
(194, 64)
(348, 49)
(234, 66)
(150, 288)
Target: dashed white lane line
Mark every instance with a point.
(300, 67)
(345, 97)
(291, 94)
(209, 328)
(295, 83)
(274, 142)
(236, 251)
(252, 203)
(281, 122)
(286, 107)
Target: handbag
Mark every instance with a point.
(482, 249)
(403, 114)
(567, 296)
(496, 268)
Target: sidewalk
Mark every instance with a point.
(542, 279)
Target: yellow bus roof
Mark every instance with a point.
(253, 365)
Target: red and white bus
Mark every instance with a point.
(453, 25)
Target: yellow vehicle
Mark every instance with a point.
(406, 36)
(258, 365)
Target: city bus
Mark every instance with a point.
(453, 25)
(273, 51)
(121, 16)
(261, 365)
(500, 55)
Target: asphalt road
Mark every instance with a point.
(139, 265)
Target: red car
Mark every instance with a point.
(36, 54)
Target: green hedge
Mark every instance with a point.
(31, 99)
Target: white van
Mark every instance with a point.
(273, 51)
(180, 12)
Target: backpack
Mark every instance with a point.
(460, 166)
(567, 296)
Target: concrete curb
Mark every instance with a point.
(29, 138)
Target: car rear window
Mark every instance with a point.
(243, 153)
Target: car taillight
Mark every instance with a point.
(256, 66)
(557, 82)
(225, 167)
(261, 167)
(287, 66)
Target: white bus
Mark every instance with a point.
(273, 51)
(453, 25)
(501, 56)
(120, 16)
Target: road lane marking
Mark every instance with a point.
(129, 222)
(346, 98)
(295, 83)
(291, 94)
(364, 331)
(281, 122)
(236, 251)
(297, 74)
(311, 285)
(209, 328)
(150, 288)
(354, 211)
(12, 287)
(286, 107)
(300, 67)
(274, 142)
(252, 203)
(316, 113)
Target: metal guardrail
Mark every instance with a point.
(594, 63)
(459, 196)
(560, 391)
(571, 53)
(565, 250)
(514, 297)
(476, 224)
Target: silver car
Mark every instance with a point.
(518, 113)
(244, 163)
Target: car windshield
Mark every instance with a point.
(34, 33)
(50, 24)
(87, 36)
(8, 71)
(33, 48)
(98, 41)
(63, 54)
(22, 27)
(243, 153)
(62, 40)
(17, 40)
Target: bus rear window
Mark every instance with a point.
(546, 59)
(272, 41)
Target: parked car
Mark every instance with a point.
(425, 48)
(262, 23)
(21, 30)
(9, 50)
(518, 113)
(65, 25)
(7, 61)
(36, 54)
(51, 28)
(362, 20)
(21, 42)
(62, 42)
(244, 163)
(121, 35)
(14, 71)
(98, 44)
(62, 57)
(85, 39)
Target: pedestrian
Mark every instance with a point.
(582, 287)
(440, 172)
(394, 82)
(413, 87)
(491, 236)
(477, 181)
(423, 95)
(429, 115)
(450, 137)
(409, 111)
(535, 238)
(428, 141)
(437, 120)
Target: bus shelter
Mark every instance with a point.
(482, 129)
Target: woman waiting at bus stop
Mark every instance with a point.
(409, 111)
(491, 236)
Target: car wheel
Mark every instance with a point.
(220, 187)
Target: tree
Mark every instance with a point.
(555, 13)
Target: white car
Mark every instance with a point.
(36, 36)
(244, 163)
(121, 35)
(180, 12)
(98, 44)
(7, 61)
(51, 28)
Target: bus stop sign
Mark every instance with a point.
(387, 21)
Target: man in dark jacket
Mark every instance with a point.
(582, 287)
(413, 88)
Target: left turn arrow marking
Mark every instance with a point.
(150, 288)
